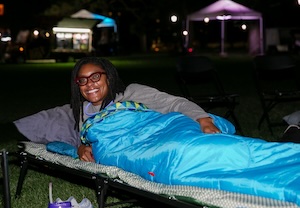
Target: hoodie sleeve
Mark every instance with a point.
(161, 101)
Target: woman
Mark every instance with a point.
(161, 145)
(96, 84)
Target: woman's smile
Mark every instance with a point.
(92, 91)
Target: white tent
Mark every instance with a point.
(106, 21)
(224, 10)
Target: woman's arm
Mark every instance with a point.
(164, 103)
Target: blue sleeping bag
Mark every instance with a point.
(171, 149)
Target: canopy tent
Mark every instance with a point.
(224, 10)
(76, 23)
(106, 21)
(75, 33)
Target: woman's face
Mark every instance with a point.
(93, 91)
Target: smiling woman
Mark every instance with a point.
(92, 83)
(95, 84)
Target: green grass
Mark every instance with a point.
(29, 88)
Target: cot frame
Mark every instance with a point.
(5, 178)
(102, 183)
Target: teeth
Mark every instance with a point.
(92, 91)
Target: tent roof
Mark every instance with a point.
(77, 23)
(85, 14)
(225, 7)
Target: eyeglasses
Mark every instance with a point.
(95, 77)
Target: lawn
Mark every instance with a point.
(29, 88)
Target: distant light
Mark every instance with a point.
(21, 49)
(299, 2)
(206, 19)
(174, 18)
(5, 39)
(84, 36)
(185, 33)
(244, 26)
(47, 34)
(68, 35)
(190, 50)
(78, 36)
(36, 32)
(224, 17)
(60, 35)
(1, 9)
(66, 29)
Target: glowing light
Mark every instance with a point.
(174, 18)
(84, 36)
(206, 19)
(21, 49)
(224, 17)
(36, 32)
(68, 35)
(78, 36)
(185, 33)
(65, 29)
(47, 34)
(190, 50)
(5, 39)
(244, 26)
(1, 9)
(60, 35)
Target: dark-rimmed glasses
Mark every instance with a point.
(95, 77)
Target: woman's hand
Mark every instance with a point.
(207, 125)
(85, 153)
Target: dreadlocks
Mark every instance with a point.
(115, 85)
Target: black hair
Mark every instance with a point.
(115, 85)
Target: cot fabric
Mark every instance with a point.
(203, 196)
(171, 149)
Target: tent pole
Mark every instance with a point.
(222, 36)
(186, 42)
(261, 36)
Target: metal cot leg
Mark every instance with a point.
(5, 171)
(23, 171)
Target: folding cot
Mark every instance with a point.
(32, 154)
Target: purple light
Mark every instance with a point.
(226, 10)
(224, 17)
(225, 7)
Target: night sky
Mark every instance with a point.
(20, 14)
(276, 12)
